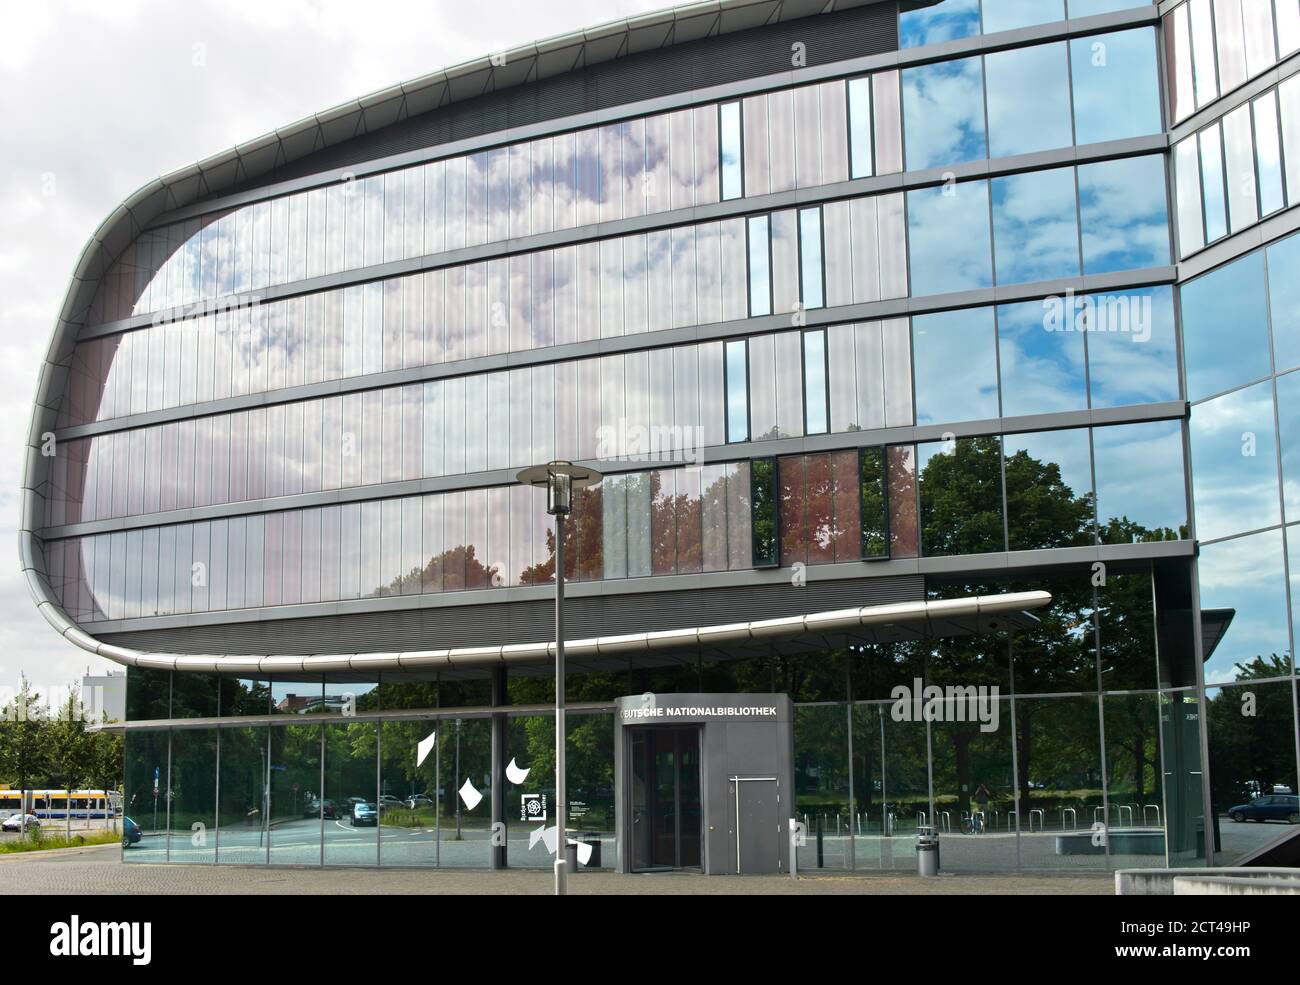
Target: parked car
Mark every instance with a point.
(352, 802)
(131, 832)
(364, 814)
(388, 801)
(1270, 807)
(419, 800)
(14, 822)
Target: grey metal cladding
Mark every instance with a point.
(680, 68)
(522, 622)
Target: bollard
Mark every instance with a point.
(821, 842)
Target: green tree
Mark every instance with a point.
(70, 750)
(25, 751)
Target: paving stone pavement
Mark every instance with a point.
(100, 871)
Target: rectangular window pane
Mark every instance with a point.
(814, 382)
(737, 392)
(943, 113)
(948, 230)
(1212, 193)
(1028, 93)
(860, 143)
(1268, 154)
(810, 258)
(1187, 178)
(760, 279)
(732, 160)
(1239, 153)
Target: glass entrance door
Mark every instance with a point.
(666, 812)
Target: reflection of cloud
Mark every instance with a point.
(1234, 476)
(949, 238)
(1245, 575)
(943, 109)
(1028, 100)
(1140, 474)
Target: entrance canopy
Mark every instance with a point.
(789, 635)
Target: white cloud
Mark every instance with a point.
(98, 99)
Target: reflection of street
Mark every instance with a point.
(987, 852)
(299, 842)
(1238, 838)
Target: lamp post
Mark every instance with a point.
(559, 478)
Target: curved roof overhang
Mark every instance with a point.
(238, 165)
(872, 623)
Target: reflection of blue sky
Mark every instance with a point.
(1140, 474)
(1116, 93)
(949, 238)
(1233, 491)
(943, 113)
(1225, 327)
(1288, 414)
(943, 22)
(1245, 575)
(1123, 367)
(1125, 223)
(1028, 100)
(1006, 15)
(1284, 300)
(1086, 8)
(956, 366)
(1042, 371)
(1035, 232)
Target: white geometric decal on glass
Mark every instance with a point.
(470, 795)
(514, 774)
(424, 748)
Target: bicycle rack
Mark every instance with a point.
(1151, 807)
(984, 820)
(1126, 807)
(1042, 816)
(1010, 815)
(947, 819)
(1099, 815)
(1074, 817)
(920, 819)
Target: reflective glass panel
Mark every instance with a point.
(1028, 91)
(955, 355)
(943, 113)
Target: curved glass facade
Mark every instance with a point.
(916, 317)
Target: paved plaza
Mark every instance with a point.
(101, 871)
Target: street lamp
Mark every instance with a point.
(560, 479)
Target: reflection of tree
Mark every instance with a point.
(1250, 753)
(961, 499)
(960, 504)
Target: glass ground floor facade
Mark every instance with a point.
(1098, 747)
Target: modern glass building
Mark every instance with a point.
(885, 321)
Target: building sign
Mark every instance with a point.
(687, 711)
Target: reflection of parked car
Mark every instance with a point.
(14, 822)
(364, 814)
(315, 808)
(419, 800)
(1270, 807)
(388, 801)
(131, 832)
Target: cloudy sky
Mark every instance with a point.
(98, 98)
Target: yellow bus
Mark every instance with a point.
(52, 804)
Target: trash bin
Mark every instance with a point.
(591, 838)
(927, 851)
